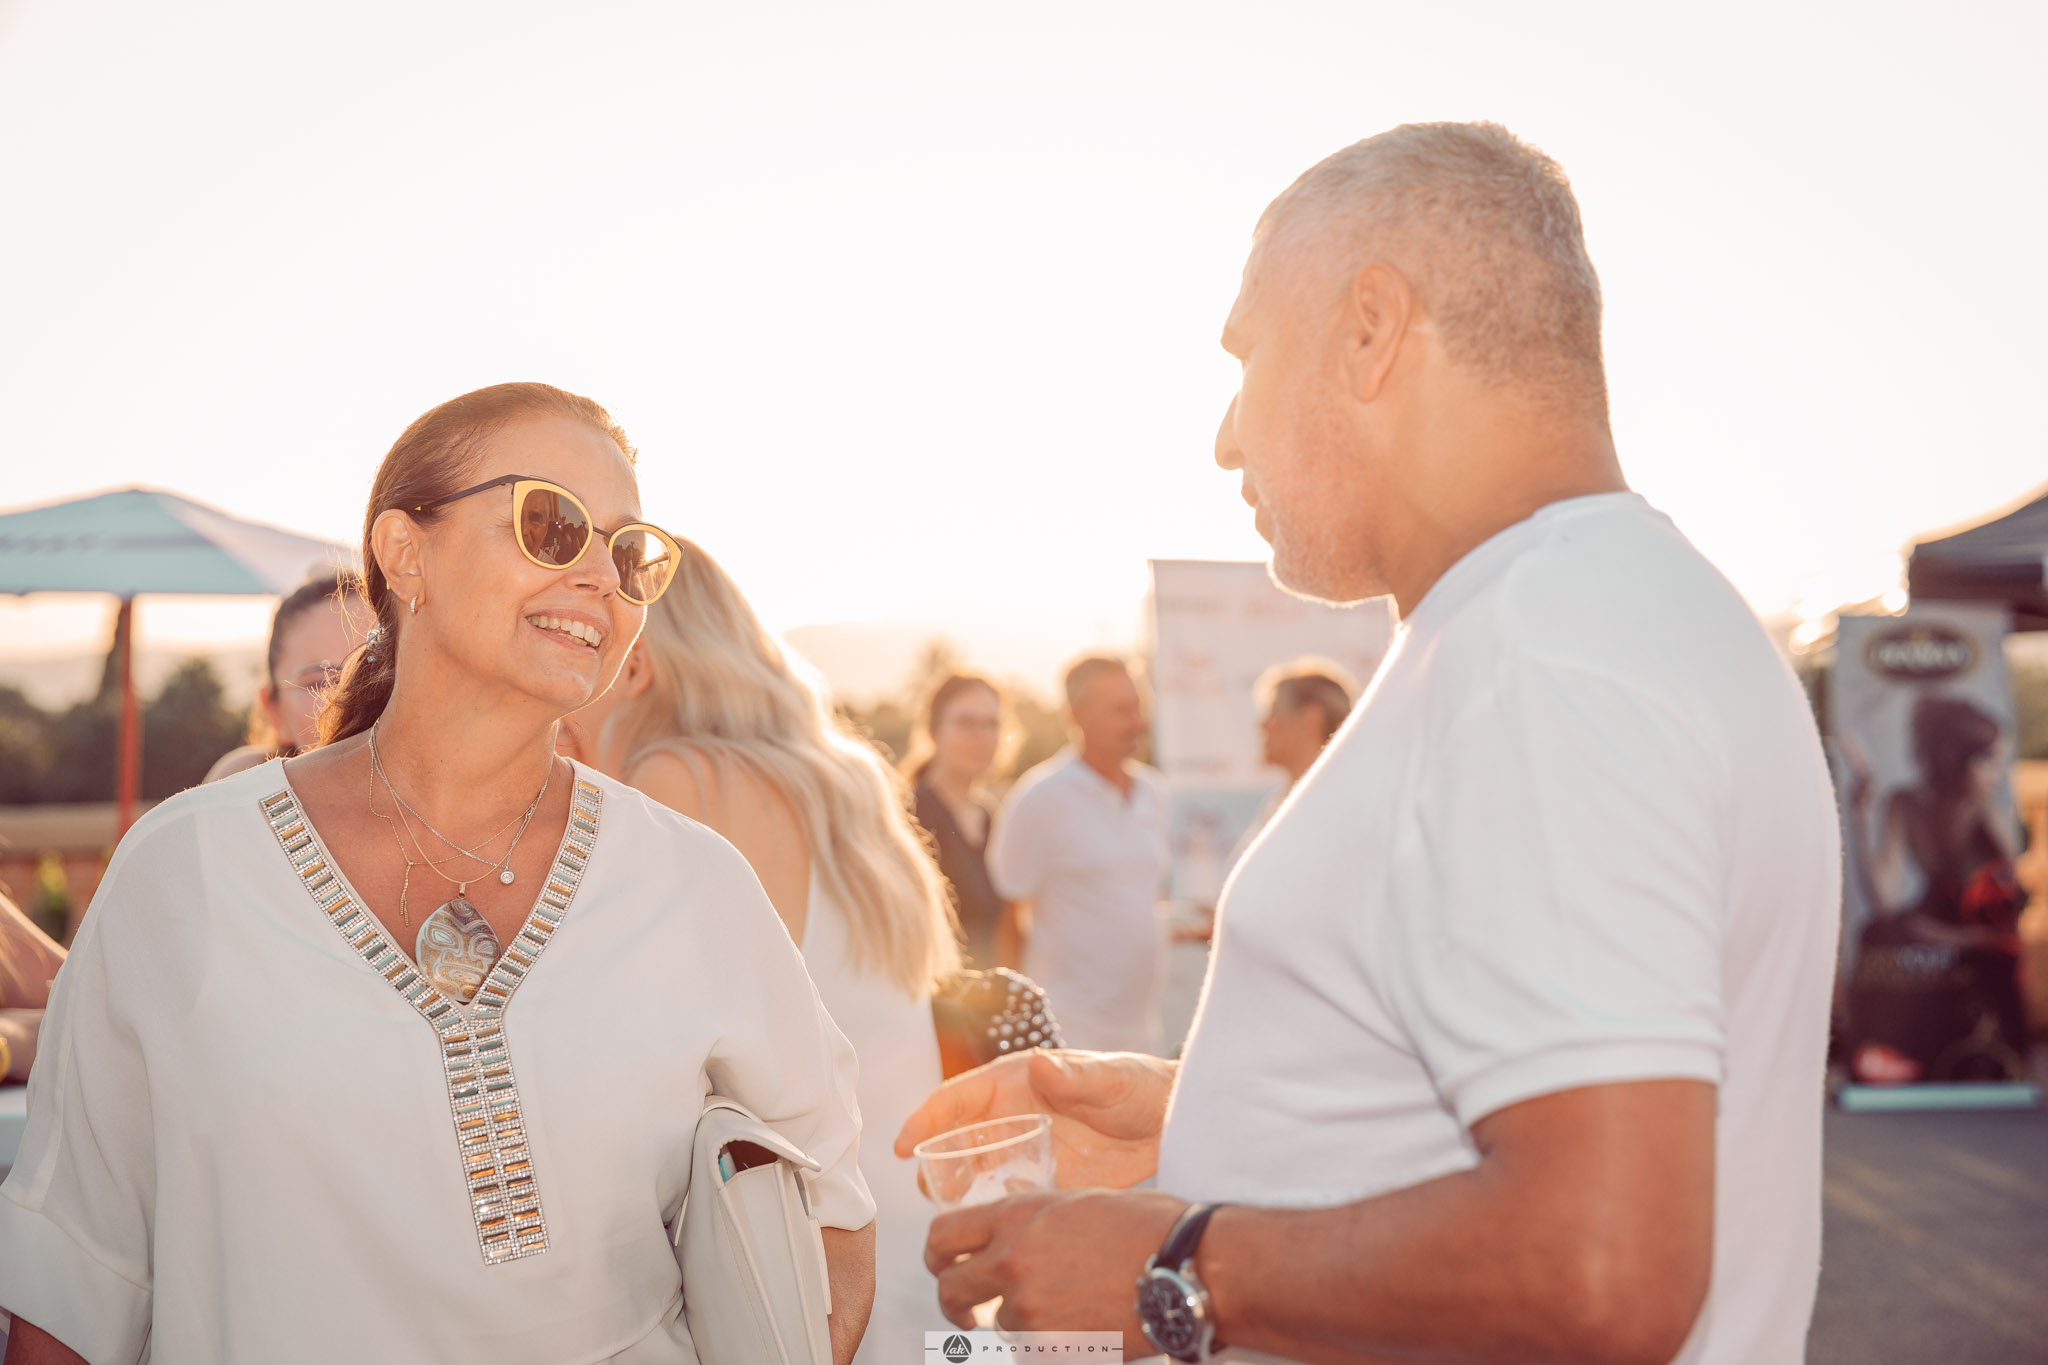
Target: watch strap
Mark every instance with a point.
(1180, 1244)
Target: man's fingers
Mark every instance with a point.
(957, 1233)
(1064, 1080)
(1081, 1084)
(963, 1286)
(958, 1102)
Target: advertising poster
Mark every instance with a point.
(1217, 626)
(1921, 717)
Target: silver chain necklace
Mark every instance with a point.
(504, 865)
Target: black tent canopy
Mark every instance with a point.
(2004, 559)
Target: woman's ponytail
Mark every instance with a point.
(366, 680)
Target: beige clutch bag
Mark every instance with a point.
(755, 1290)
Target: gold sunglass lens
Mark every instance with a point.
(646, 561)
(552, 527)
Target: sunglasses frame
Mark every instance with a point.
(523, 484)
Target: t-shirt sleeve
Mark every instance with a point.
(77, 1210)
(1558, 897)
(1017, 846)
(784, 1059)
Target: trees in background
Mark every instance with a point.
(68, 756)
(21, 740)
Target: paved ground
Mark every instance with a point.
(1935, 1248)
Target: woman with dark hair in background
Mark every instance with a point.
(315, 628)
(284, 1110)
(961, 731)
(1940, 877)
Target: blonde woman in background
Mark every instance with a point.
(711, 717)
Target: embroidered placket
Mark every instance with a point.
(483, 1095)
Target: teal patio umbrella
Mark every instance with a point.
(148, 540)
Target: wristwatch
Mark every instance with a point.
(1173, 1304)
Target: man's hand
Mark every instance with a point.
(1060, 1262)
(1107, 1109)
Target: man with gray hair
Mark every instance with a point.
(1303, 704)
(1512, 1047)
(1079, 849)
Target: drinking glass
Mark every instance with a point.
(982, 1163)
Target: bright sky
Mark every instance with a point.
(912, 308)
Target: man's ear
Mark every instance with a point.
(638, 673)
(396, 542)
(1379, 313)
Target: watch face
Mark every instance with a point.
(1165, 1308)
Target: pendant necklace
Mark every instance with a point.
(405, 885)
(504, 865)
(456, 947)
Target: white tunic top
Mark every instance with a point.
(1578, 832)
(255, 1136)
(1090, 859)
(892, 1034)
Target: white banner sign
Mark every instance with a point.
(1217, 625)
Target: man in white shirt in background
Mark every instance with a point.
(1304, 703)
(1080, 847)
(1513, 1042)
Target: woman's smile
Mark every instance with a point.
(572, 632)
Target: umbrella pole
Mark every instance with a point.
(128, 764)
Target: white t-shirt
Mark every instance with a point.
(254, 1135)
(1089, 858)
(1579, 831)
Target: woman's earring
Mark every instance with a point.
(415, 604)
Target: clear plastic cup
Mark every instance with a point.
(984, 1162)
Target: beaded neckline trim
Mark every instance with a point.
(483, 1095)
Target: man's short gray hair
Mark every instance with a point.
(1086, 670)
(1484, 228)
(1309, 681)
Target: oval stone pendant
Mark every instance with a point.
(505, 877)
(456, 949)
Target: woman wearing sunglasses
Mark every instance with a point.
(315, 627)
(396, 1050)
